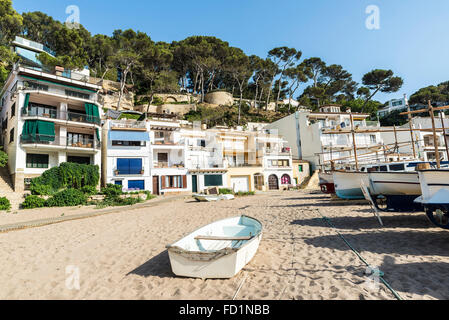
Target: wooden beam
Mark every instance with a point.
(435, 139)
(444, 135)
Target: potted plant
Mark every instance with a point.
(142, 171)
(116, 172)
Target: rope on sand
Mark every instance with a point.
(373, 270)
(240, 287)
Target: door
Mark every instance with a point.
(240, 183)
(194, 184)
(156, 185)
(273, 183)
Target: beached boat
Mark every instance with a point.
(326, 182)
(394, 183)
(218, 250)
(347, 184)
(435, 196)
(212, 197)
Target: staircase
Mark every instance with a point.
(6, 190)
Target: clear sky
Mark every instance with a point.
(412, 39)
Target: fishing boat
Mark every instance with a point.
(347, 184)
(327, 182)
(435, 196)
(219, 250)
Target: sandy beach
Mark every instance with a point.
(122, 255)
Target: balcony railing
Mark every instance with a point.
(163, 164)
(164, 141)
(127, 124)
(122, 172)
(68, 116)
(49, 140)
(241, 165)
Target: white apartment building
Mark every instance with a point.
(48, 117)
(305, 132)
(127, 159)
(204, 158)
(168, 152)
(393, 105)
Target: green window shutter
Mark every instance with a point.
(95, 113)
(88, 108)
(46, 130)
(25, 105)
(98, 134)
(29, 129)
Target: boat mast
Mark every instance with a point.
(435, 138)
(354, 143)
(396, 146)
(411, 129)
(444, 134)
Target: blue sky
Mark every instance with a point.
(412, 39)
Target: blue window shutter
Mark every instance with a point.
(123, 166)
(136, 184)
(135, 166)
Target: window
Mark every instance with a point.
(300, 168)
(11, 135)
(280, 163)
(136, 185)
(41, 110)
(213, 180)
(129, 143)
(162, 157)
(383, 169)
(174, 182)
(37, 160)
(397, 167)
(118, 182)
(79, 139)
(35, 86)
(13, 110)
(285, 179)
(201, 143)
(79, 160)
(129, 166)
(77, 94)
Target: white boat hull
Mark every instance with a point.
(394, 183)
(347, 184)
(216, 259)
(431, 182)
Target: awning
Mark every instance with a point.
(128, 136)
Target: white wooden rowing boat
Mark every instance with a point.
(218, 250)
(212, 197)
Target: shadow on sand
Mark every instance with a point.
(401, 220)
(158, 266)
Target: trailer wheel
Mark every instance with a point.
(381, 203)
(438, 216)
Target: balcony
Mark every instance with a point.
(128, 125)
(58, 115)
(56, 141)
(137, 172)
(163, 164)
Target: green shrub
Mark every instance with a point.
(225, 191)
(112, 190)
(242, 194)
(4, 203)
(41, 189)
(67, 198)
(33, 202)
(89, 190)
(67, 175)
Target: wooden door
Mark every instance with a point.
(156, 185)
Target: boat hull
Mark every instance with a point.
(394, 183)
(190, 257)
(327, 183)
(432, 181)
(347, 184)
